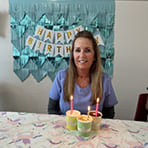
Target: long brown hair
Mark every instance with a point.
(95, 71)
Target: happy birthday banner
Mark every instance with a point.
(42, 33)
(45, 44)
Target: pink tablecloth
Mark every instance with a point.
(44, 131)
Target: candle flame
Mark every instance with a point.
(71, 97)
(88, 108)
(98, 100)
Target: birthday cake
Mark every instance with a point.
(93, 113)
(75, 113)
(84, 118)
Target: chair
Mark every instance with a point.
(141, 112)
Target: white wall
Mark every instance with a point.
(130, 76)
(131, 55)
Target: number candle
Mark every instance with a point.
(97, 106)
(71, 106)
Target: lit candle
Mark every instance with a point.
(88, 111)
(71, 106)
(97, 106)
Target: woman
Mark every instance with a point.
(83, 79)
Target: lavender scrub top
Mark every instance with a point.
(81, 96)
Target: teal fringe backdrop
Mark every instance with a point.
(96, 16)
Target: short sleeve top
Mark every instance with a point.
(81, 96)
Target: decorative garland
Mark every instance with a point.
(62, 39)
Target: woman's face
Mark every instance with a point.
(83, 53)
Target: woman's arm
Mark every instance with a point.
(108, 112)
(53, 107)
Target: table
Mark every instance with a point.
(31, 130)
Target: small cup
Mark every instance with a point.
(71, 119)
(84, 123)
(96, 119)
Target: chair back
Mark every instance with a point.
(141, 112)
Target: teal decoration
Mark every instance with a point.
(31, 65)
(61, 66)
(22, 73)
(16, 53)
(39, 74)
(48, 66)
(96, 16)
(16, 64)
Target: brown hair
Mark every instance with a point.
(95, 71)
